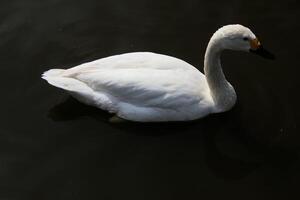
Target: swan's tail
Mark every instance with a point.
(53, 73)
(78, 89)
(56, 78)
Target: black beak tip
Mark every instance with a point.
(263, 53)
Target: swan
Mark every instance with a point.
(150, 87)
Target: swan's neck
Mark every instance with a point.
(222, 92)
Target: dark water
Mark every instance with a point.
(52, 147)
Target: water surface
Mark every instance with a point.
(52, 147)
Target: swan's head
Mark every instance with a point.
(241, 38)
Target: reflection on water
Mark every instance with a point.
(71, 109)
(231, 152)
(53, 147)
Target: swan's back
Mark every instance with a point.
(136, 60)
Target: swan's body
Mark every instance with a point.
(147, 87)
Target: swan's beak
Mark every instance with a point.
(258, 49)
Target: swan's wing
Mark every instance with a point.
(155, 85)
(147, 87)
(140, 79)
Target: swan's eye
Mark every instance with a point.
(245, 38)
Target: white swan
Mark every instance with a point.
(150, 87)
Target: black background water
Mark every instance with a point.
(52, 147)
